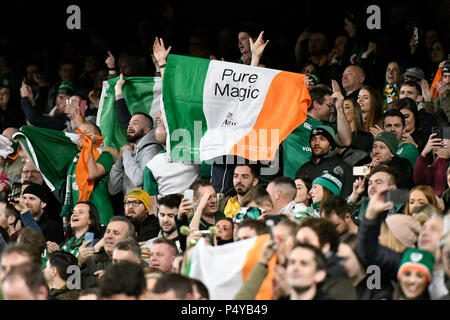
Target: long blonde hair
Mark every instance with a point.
(388, 239)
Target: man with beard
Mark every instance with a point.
(245, 177)
(137, 207)
(324, 161)
(128, 171)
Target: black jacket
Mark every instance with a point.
(99, 261)
(337, 285)
(149, 228)
(51, 230)
(332, 165)
(37, 118)
(372, 253)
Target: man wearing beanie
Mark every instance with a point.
(296, 147)
(384, 152)
(323, 160)
(394, 121)
(35, 199)
(137, 207)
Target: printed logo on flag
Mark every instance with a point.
(229, 121)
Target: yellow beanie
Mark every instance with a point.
(141, 195)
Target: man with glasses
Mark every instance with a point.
(323, 160)
(296, 147)
(137, 207)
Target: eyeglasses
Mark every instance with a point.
(134, 203)
(30, 172)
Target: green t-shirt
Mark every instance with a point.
(205, 225)
(297, 147)
(100, 195)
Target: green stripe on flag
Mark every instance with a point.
(139, 96)
(183, 83)
(51, 151)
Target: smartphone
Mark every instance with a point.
(89, 236)
(445, 132)
(437, 131)
(361, 171)
(397, 195)
(189, 194)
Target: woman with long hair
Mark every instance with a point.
(371, 105)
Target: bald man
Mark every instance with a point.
(352, 80)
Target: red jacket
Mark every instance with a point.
(434, 175)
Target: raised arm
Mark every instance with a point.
(160, 53)
(257, 49)
(344, 131)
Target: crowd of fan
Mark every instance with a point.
(363, 182)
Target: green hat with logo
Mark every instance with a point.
(419, 260)
(389, 139)
(66, 87)
(330, 182)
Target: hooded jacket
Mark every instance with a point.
(128, 173)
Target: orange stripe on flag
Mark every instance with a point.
(253, 256)
(85, 187)
(284, 109)
(437, 78)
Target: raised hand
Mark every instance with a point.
(432, 143)
(159, 51)
(119, 84)
(257, 47)
(427, 92)
(52, 246)
(85, 253)
(185, 207)
(442, 89)
(337, 94)
(375, 130)
(110, 61)
(358, 189)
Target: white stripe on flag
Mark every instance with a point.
(102, 100)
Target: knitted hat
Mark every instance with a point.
(416, 73)
(405, 228)
(37, 190)
(330, 182)
(446, 67)
(66, 87)
(389, 139)
(325, 131)
(416, 259)
(141, 195)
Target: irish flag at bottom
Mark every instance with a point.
(224, 269)
(214, 108)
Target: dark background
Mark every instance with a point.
(31, 30)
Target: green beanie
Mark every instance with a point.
(330, 182)
(389, 139)
(66, 87)
(416, 259)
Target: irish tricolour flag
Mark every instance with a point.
(215, 108)
(224, 269)
(142, 94)
(52, 151)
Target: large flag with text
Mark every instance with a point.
(213, 108)
(142, 94)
